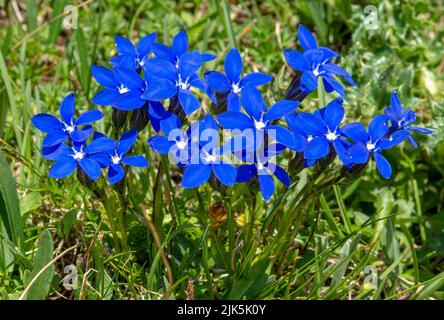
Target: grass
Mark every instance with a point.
(366, 238)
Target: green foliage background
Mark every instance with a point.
(364, 239)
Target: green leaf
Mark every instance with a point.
(9, 205)
(56, 26)
(30, 202)
(252, 283)
(41, 286)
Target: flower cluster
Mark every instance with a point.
(237, 143)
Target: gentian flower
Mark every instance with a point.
(209, 160)
(321, 131)
(316, 62)
(169, 81)
(79, 155)
(132, 57)
(401, 119)
(59, 131)
(123, 88)
(178, 48)
(232, 83)
(118, 156)
(174, 141)
(264, 170)
(259, 119)
(374, 142)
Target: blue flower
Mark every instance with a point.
(373, 142)
(169, 81)
(259, 119)
(264, 170)
(69, 158)
(114, 158)
(123, 88)
(207, 159)
(232, 83)
(174, 141)
(59, 131)
(178, 48)
(401, 119)
(321, 131)
(131, 57)
(316, 62)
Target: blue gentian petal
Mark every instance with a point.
(89, 117)
(160, 68)
(159, 90)
(335, 69)
(90, 167)
(312, 124)
(341, 148)
(396, 138)
(188, 101)
(334, 113)
(170, 124)
(104, 77)
(207, 57)
(162, 51)
(233, 102)
(358, 153)
(252, 102)
(356, 132)
(55, 137)
(266, 185)
(100, 145)
(315, 56)
(383, 165)
(115, 173)
(195, 175)
(106, 97)
(46, 122)
(160, 144)
(233, 65)
(245, 172)
(297, 60)
(67, 108)
(255, 79)
(413, 142)
(420, 130)
(226, 173)
(127, 141)
(396, 106)
(281, 174)
(317, 148)
(130, 100)
(339, 88)
(218, 81)
(280, 109)
(189, 64)
(378, 127)
(281, 135)
(234, 120)
(54, 152)
(81, 135)
(308, 42)
(62, 168)
(309, 82)
(128, 78)
(136, 161)
(180, 43)
(124, 46)
(145, 44)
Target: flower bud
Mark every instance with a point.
(119, 118)
(139, 118)
(294, 91)
(217, 214)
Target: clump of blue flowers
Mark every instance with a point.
(239, 139)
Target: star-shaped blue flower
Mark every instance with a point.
(374, 142)
(123, 88)
(69, 158)
(132, 57)
(401, 119)
(69, 127)
(232, 83)
(316, 62)
(259, 119)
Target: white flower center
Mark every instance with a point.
(260, 166)
(259, 125)
(331, 136)
(309, 138)
(210, 158)
(370, 146)
(236, 88)
(183, 85)
(78, 155)
(181, 144)
(116, 159)
(122, 89)
(69, 128)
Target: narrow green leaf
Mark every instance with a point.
(56, 26)
(31, 14)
